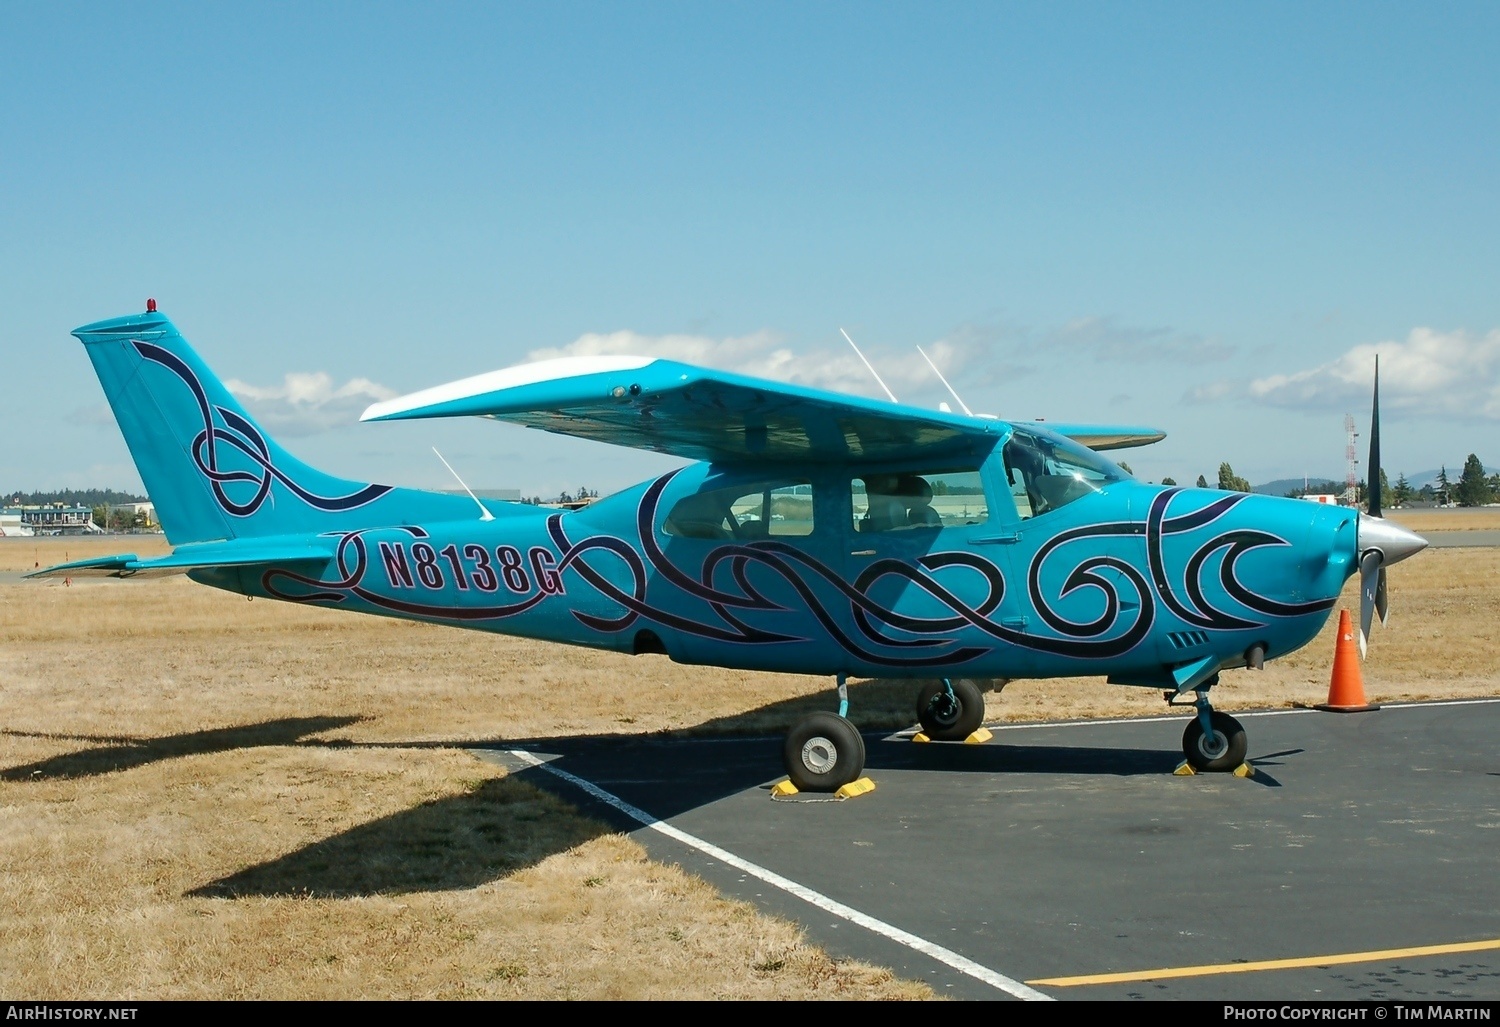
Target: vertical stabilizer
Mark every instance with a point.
(210, 470)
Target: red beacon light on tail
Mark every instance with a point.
(150, 306)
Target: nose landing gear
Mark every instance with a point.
(1213, 741)
(1220, 747)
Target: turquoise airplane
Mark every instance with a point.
(815, 533)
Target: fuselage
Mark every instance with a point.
(995, 565)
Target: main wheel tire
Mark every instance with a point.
(1224, 751)
(945, 719)
(823, 752)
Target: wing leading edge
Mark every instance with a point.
(687, 411)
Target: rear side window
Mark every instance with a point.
(770, 509)
(906, 501)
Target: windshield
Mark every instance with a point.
(1047, 472)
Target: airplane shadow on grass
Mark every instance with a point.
(499, 827)
(127, 753)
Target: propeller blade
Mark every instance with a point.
(1370, 573)
(1382, 606)
(1373, 470)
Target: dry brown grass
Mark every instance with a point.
(203, 797)
(24, 554)
(1465, 519)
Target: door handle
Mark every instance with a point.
(995, 540)
(863, 552)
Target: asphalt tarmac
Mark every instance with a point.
(1057, 853)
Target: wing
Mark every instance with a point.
(693, 412)
(1104, 436)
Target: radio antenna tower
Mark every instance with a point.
(1351, 460)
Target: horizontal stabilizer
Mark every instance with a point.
(235, 553)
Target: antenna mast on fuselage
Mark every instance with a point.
(870, 366)
(951, 391)
(484, 511)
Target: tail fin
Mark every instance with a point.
(209, 469)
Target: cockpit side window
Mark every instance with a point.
(936, 499)
(768, 509)
(1047, 472)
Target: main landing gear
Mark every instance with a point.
(1213, 741)
(823, 751)
(950, 710)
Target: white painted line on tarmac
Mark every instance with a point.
(1437, 702)
(943, 955)
(1412, 704)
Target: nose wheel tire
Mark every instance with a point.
(823, 752)
(1224, 750)
(946, 718)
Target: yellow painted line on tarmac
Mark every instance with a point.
(1165, 973)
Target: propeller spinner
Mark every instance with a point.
(1379, 542)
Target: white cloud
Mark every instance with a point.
(1432, 373)
(308, 402)
(765, 355)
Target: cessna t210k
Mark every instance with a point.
(816, 533)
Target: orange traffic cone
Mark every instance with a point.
(1346, 691)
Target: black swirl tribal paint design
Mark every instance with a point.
(729, 593)
(243, 436)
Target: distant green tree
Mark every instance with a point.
(1231, 482)
(1169, 481)
(1402, 493)
(1473, 489)
(73, 497)
(1443, 487)
(1202, 482)
(1126, 468)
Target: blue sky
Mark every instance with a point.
(1201, 217)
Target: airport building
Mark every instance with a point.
(11, 525)
(60, 519)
